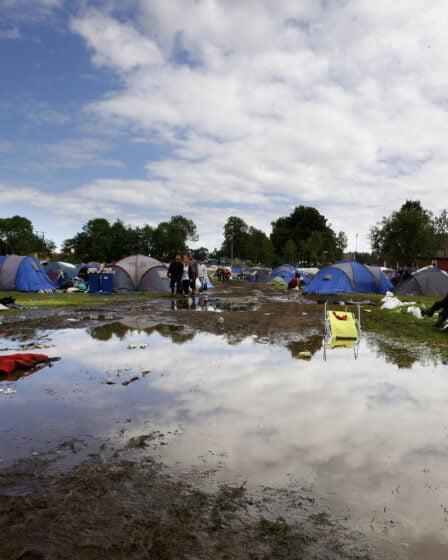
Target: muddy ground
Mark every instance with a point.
(121, 504)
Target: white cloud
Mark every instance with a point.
(116, 44)
(13, 33)
(266, 106)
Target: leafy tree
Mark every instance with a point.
(341, 244)
(289, 253)
(201, 253)
(143, 241)
(235, 237)
(441, 226)
(100, 241)
(93, 243)
(366, 258)
(17, 236)
(170, 238)
(406, 235)
(315, 247)
(124, 241)
(259, 248)
(299, 227)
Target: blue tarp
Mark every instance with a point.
(346, 277)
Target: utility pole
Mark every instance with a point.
(356, 245)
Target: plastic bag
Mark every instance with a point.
(197, 284)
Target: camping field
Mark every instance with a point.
(221, 427)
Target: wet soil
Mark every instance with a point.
(123, 504)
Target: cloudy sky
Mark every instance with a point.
(143, 109)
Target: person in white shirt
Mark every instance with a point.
(202, 274)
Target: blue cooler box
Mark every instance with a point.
(107, 282)
(94, 282)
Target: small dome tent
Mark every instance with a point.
(53, 268)
(427, 281)
(259, 275)
(23, 274)
(346, 277)
(285, 271)
(141, 273)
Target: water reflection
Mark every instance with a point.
(121, 329)
(371, 439)
(206, 303)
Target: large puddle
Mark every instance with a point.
(366, 434)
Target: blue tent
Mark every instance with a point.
(345, 277)
(23, 274)
(285, 271)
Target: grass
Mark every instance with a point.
(400, 325)
(51, 300)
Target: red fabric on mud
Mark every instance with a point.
(12, 362)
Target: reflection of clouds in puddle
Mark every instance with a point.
(387, 394)
(357, 428)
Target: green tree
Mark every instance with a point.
(170, 238)
(259, 248)
(17, 236)
(93, 243)
(341, 245)
(441, 226)
(314, 246)
(289, 253)
(201, 253)
(122, 241)
(299, 227)
(235, 238)
(406, 235)
(143, 241)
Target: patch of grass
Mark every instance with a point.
(400, 325)
(51, 300)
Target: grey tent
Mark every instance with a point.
(427, 281)
(140, 273)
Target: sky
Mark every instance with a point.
(139, 110)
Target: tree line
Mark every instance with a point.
(304, 237)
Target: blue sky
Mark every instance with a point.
(218, 108)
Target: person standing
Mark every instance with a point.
(202, 275)
(187, 274)
(175, 271)
(195, 273)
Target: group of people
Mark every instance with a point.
(187, 275)
(223, 274)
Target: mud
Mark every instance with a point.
(123, 503)
(130, 507)
(232, 309)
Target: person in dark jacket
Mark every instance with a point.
(443, 315)
(175, 271)
(195, 273)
